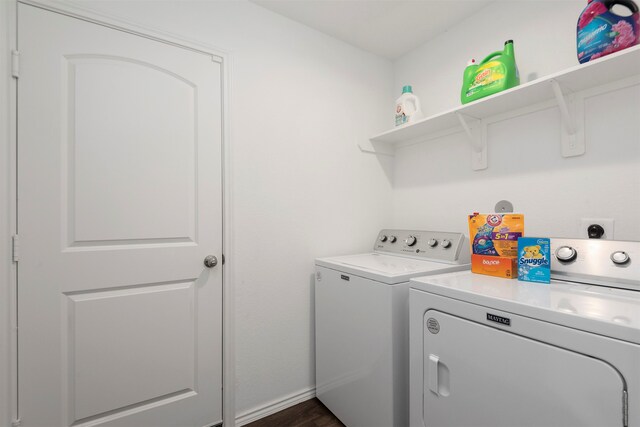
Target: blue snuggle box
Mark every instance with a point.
(534, 259)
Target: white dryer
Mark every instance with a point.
(362, 311)
(491, 352)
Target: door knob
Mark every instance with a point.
(210, 261)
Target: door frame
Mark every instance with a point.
(8, 196)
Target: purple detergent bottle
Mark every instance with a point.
(602, 32)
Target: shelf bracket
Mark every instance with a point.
(476, 132)
(377, 147)
(572, 116)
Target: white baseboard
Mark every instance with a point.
(275, 406)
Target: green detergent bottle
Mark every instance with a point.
(495, 73)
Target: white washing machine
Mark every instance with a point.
(362, 310)
(496, 352)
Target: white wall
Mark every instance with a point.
(301, 188)
(434, 186)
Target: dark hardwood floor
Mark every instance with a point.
(311, 413)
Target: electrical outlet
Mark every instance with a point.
(606, 223)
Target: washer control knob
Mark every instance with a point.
(620, 257)
(393, 239)
(446, 243)
(411, 240)
(432, 242)
(383, 238)
(566, 254)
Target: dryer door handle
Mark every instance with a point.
(438, 376)
(432, 373)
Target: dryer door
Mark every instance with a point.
(475, 375)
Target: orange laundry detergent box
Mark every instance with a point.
(495, 234)
(494, 243)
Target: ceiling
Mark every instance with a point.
(388, 28)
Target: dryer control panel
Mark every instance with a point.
(613, 263)
(429, 245)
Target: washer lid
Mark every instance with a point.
(605, 311)
(386, 268)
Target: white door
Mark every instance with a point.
(119, 187)
(479, 376)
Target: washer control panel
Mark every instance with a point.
(593, 261)
(429, 245)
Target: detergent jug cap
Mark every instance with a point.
(509, 42)
(407, 89)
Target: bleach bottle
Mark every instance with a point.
(496, 72)
(407, 107)
(602, 32)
